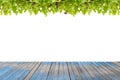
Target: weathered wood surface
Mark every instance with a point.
(59, 71)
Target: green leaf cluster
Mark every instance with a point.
(67, 6)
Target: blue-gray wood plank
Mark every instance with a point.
(59, 71)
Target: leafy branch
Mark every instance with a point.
(67, 6)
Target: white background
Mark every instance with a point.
(59, 37)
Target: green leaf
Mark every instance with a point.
(70, 6)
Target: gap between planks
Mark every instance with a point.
(32, 71)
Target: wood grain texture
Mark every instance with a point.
(32, 71)
(59, 71)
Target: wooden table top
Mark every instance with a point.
(59, 71)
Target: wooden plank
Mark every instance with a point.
(118, 64)
(55, 71)
(79, 69)
(7, 70)
(110, 73)
(61, 71)
(51, 71)
(85, 75)
(2, 65)
(114, 66)
(47, 69)
(96, 72)
(71, 73)
(20, 74)
(37, 72)
(3, 71)
(26, 71)
(114, 70)
(11, 73)
(42, 71)
(90, 72)
(66, 73)
(32, 71)
(102, 70)
(75, 71)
